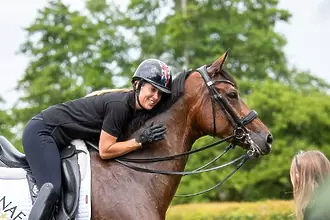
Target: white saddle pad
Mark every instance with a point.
(15, 199)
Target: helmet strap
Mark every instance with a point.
(137, 93)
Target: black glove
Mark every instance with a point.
(152, 133)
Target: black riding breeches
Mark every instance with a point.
(42, 153)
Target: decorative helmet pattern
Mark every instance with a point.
(156, 73)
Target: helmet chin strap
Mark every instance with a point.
(137, 94)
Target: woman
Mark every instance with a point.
(308, 171)
(103, 116)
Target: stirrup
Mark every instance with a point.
(44, 205)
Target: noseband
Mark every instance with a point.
(240, 135)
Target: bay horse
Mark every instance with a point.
(204, 101)
(122, 193)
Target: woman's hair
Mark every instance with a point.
(308, 170)
(100, 92)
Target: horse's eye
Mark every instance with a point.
(232, 95)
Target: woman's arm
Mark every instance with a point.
(110, 148)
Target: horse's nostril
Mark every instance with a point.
(269, 139)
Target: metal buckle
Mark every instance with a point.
(239, 133)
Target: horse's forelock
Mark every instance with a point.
(227, 76)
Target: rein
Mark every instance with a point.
(175, 156)
(240, 135)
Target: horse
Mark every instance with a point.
(204, 101)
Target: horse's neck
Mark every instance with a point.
(180, 122)
(180, 134)
(179, 138)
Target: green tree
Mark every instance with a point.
(71, 55)
(298, 120)
(7, 123)
(204, 29)
(188, 36)
(4, 118)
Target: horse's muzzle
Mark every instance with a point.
(260, 144)
(268, 145)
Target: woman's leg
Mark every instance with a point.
(43, 156)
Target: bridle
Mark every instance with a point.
(240, 135)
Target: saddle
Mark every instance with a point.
(68, 204)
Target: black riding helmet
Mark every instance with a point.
(156, 73)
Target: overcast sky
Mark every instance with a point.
(308, 35)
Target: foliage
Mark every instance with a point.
(71, 55)
(4, 119)
(6, 123)
(74, 52)
(270, 209)
(299, 120)
(197, 33)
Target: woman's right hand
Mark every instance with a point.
(151, 134)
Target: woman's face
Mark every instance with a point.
(149, 96)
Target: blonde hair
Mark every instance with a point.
(308, 170)
(103, 91)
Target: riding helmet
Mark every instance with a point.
(156, 73)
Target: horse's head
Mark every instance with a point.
(220, 111)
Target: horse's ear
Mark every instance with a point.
(218, 64)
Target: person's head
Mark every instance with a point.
(151, 80)
(308, 170)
